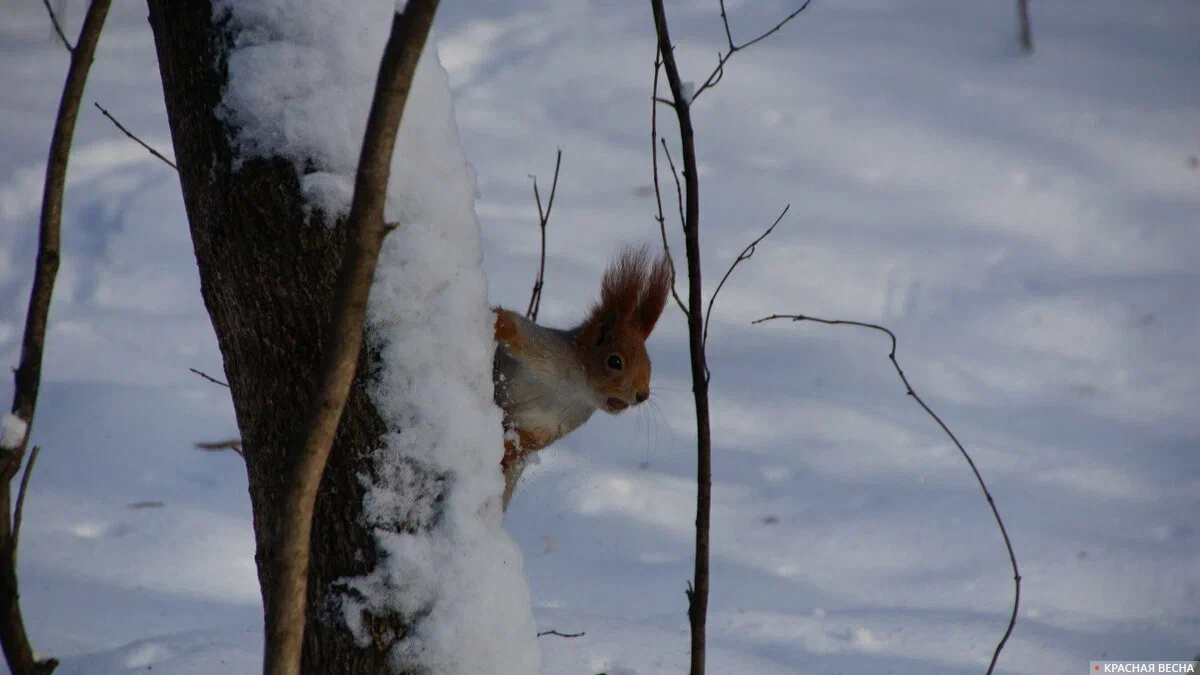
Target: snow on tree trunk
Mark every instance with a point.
(409, 550)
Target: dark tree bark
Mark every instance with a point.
(268, 275)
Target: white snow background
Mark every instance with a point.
(1026, 224)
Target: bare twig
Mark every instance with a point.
(1012, 556)
(678, 184)
(535, 298)
(137, 140)
(57, 26)
(1026, 29)
(734, 48)
(698, 592)
(746, 254)
(234, 444)
(662, 221)
(15, 641)
(209, 377)
(287, 603)
(562, 635)
(213, 446)
(688, 195)
(19, 511)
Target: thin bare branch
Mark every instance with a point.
(734, 48)
(137, 140)
(1012, 556)
(678, 185)
(688, 194)
(209, 377)
(57, 26)
(18, 652)
(287, 605)
(690, 217)
(725, 23)
(535, 297)
(662, 221)
(746, 254)
(213, 446)
(28, 375)
(561, 635)
(234, 444)
(770, 32)
(1026, 35)
(19, 512)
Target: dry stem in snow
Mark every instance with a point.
(1012, 556)
(17, 650)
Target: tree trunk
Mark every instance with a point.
(267, 275)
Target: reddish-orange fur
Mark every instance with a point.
(527, 443)
(506, 330)
(562, 377)
(635, 290)
(632, 297)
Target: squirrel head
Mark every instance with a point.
(611, 342)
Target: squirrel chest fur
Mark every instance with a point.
(549, 381)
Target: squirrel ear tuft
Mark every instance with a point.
(654, 294)
(635, 289)
(621, 292)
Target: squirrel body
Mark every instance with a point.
(542, 385)
(550, 381)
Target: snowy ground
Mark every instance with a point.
(1027, 225)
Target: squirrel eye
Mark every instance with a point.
(614, 362)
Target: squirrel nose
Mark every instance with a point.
(642, 396)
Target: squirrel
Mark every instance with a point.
(549, 381)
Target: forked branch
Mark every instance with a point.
(535, 297)
(746, 254)
(57, 26)
(734, 48)
(687, 191)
